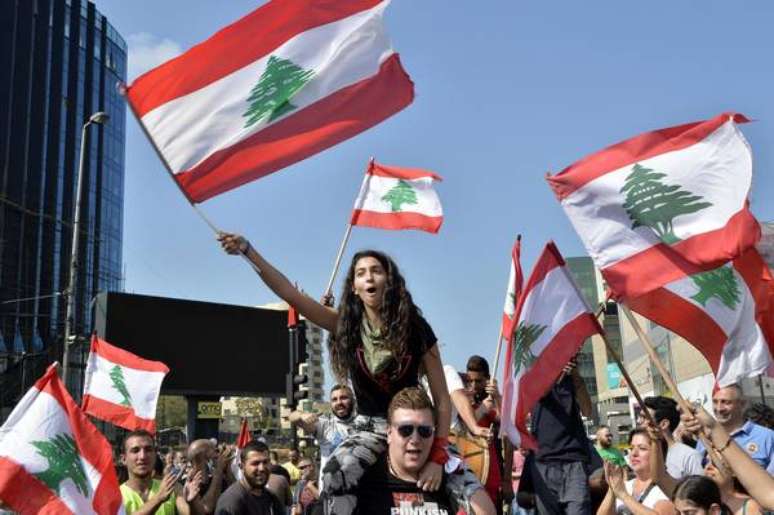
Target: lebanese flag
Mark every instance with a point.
(52, 458)
(515, 283)
(398, 198)
(727, 314)
(122, 388)
(664, 204)
(553, 321)
(288, 80)
(243, 439)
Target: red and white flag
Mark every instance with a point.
(398, 198)
(726, 313)
(552, 322)
(122, 388)
(515, 284)
(52, 458)
(288, 80)
(244, 438)
(664, 204)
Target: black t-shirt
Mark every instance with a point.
(558, 427)
(374, 393)
(236, 500)
(381, 493)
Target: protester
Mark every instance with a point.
(731, 492)
(391, 485)
(379, 341)
(205, 458)
(279, 485)
(141, 493)
(729, 404)
(517, 469)
(681, 460)
(698, 495)
(563, 460)
(292, 466)
(329, 429)
(607, 451)
(754, 478)
(307, 492)
(639, 495)
(248, 495)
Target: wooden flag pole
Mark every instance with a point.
(345, 240)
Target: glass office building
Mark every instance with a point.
(60, 61)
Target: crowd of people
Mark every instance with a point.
(408, 434)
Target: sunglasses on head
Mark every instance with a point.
(406, 430)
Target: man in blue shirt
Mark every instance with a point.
(728, 405)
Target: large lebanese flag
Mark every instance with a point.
(553, 322)
(727, 314)
(515, 284)
(288, 80)
(664, 204)
(396, 198)
(52, 458)
(121, 387)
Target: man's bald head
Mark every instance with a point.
(199, 451)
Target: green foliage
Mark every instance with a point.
(64, 461)
(402, 193)
(280, 82)
(651, 203)
(720, 283)
(119, 384)
(171, 411)
(523, 338)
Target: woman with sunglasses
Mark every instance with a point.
(381, 343)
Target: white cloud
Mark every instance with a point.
(146, 51)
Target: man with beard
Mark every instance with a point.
(329, 429)
(606, 449)
(390, 485)
(141, 493)
(249, 495)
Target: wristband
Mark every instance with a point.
(244, 249)
(439, 451)
(721, 449)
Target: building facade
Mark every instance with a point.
(61, 61)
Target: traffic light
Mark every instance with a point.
(297, 377)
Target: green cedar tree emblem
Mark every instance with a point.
(524, 337)
(119, 384)
(64, 461)
(281, 80)
(402, 193)
(720, 283)
(651, 203)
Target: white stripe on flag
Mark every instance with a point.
(609, 239)
(143, 386)
(189, 128)
(376, 187)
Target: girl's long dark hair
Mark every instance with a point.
(701, 491)
(397, 312)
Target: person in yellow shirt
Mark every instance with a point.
(143, 495)
(292, 467)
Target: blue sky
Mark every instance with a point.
(505, 92)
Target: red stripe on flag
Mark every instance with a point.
(396, 221)
(122, 416)
(684, 318)
(125, 358)
(92, 445)
(509, 324)
(244, 435)
(661, 264)
(549, 259)
(26, 494)
(639, 148)
(235, 46)
(338, 116)
(759, 280)
(396, 172)
(539, 379)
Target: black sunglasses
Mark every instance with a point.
(406, 430)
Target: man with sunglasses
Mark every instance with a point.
(390, 486)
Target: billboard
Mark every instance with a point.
(211, 349)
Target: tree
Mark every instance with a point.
(171, 411)
(651, 203)
(720, 283)
(402, 193)
(119, 384)
(64, 462)
(250, 407)
(523, 338)
(279, 82)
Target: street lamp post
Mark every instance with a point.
(100, 118)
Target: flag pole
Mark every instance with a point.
(345, 240)
(122, 89)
